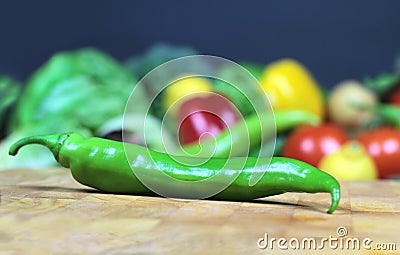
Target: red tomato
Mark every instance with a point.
(383, 144)
(311, 143)
(395, 97)
(201, 115)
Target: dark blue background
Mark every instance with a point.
(335, 39)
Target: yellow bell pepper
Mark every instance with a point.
(290, 86)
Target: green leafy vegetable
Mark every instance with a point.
(243, 101)
(75, 91)
(85, 87)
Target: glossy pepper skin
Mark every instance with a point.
(290, 86)
(102, 164)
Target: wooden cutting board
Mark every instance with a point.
(47, 212)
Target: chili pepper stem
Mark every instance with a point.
(53, 142)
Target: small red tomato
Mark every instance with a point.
(311, 143)
(395, 97)
(383, 145)
(200, 115)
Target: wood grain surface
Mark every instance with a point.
(47, 212)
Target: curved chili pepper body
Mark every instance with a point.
(102, 164)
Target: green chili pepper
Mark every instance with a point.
(102, 164)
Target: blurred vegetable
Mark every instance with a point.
(311, 143)
(255, 69)
(290, 86)
(138, 128)
(383, 144)
(285, 122)
(381, 84)
(390, 113)
(184, 89)
(394, 98)
(243, 100)
(74, 91)
(9, 90)
(251, 133)
(85, 87)
(342, 104)
(385, 113)
(290, 119)
(350, 162)
(200, 115)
